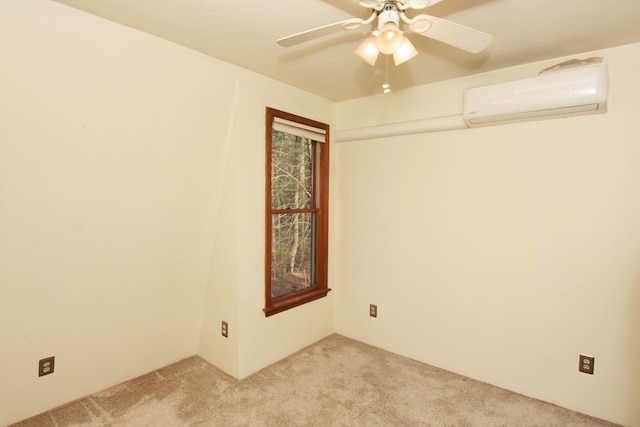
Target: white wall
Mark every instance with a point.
(132, 208)
(499, 253)
(107, 150)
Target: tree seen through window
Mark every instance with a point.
(296, 211)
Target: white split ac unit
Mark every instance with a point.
(563, 93)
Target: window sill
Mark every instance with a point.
(294, 301)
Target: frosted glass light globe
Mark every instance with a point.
(390, 38)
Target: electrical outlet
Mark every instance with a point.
(373, 310)
(586, 364)
(45, 366)
(225, 329)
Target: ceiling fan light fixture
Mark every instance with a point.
(368, 50)
(390, 38)
(405, 52)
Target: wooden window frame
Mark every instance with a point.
(320, 207)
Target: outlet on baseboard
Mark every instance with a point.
(225, 329)
(45, 366)
(373, 310)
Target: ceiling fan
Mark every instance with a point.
(387, 37)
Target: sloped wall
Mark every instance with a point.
(237, 263)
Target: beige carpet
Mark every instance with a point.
(334, 382)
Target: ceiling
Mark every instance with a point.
(244, 33)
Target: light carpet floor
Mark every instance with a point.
(334, 382)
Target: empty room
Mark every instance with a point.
(266, 213)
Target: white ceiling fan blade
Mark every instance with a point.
(314, 33)
(401, 4)
(419, 4)
(454, 34)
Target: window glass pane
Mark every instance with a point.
(291, 171)
(292, 253)
(297, 181)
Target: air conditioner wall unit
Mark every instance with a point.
(563, 93)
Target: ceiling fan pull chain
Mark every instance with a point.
(386, 88)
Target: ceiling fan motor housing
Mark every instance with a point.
(389, 13)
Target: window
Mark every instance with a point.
(297, 202)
